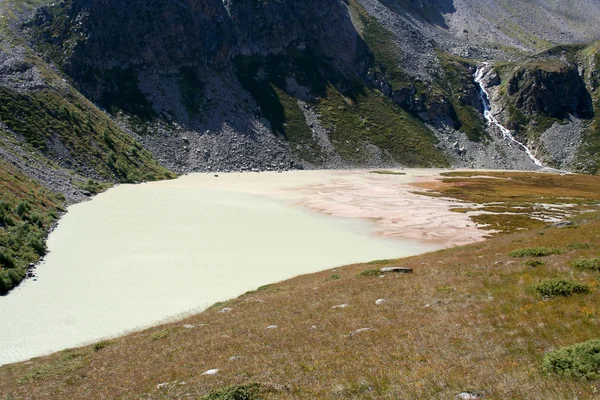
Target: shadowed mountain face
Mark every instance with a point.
(168, 35)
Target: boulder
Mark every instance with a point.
(398, 270)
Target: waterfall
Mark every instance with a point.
(491, 119)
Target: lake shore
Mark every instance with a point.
(139, 255)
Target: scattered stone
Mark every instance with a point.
(225, 310)
(398, 270)
(341, 306)
(562, 224)
(379, 301)
(216, 176)
(313, 327)
(162, 385)
(211, 372)
(356, 332)
(188, 326)
(468, 396)
(272, 327)
(427, 305)
(234, 358)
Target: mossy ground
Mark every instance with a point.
(465, 320)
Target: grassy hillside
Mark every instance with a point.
(484, 319)
(90, 138)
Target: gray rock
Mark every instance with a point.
(468, 396)
(562, 224)
(399, 270)
(356, 332)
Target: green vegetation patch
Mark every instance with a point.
(534, 263)
(386, 172)
(371, 118)
(579, 246)
(459, 80)
(90, 137)
(262, 78)
(534, 252)
(592, 264)
(164, 333)
(369, 273)
(69, 361)
(249, 391)
(559, 287)
(100, 345)
(27, 211)
(578, 361)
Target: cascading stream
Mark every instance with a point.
(491, 119)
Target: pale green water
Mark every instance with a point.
(137, 255)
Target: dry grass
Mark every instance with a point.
(465, 320)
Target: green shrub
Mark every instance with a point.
(579, 246)
(4, 286)
(237, 392)
(100, 345)
(587, 263)
(16, 275)
(22, 209)
(579, 361)
(534, 252)
(37, 243)
(6, 261)
(163, 333)
(559, 287)
(37, 219)
(534, 263)
(370, 272)
(5, 214)
(333, 277)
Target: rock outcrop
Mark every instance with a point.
(550, 88)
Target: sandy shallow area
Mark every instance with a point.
(388, 201)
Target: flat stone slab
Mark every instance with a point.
(398, 270)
